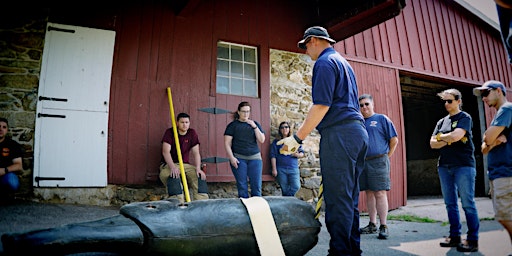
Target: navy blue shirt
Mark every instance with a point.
(459, 153)
(499, 159)
(380, 131)
(334, 85)
(244, 140)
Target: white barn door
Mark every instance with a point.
(72, 112)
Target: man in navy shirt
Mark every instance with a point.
(344, 140)
(375, 179)
(497, 144)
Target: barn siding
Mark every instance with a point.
(435, 38)
(381, 83)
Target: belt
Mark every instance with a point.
(374, 157)
(351, 121)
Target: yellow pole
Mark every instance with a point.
(178, 148)
(320, 199)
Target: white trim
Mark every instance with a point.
(490, 19)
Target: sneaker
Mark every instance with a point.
(468, 246)
(370, 229)
(450, 242)
(383, 232)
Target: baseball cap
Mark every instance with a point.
(315, 31)
(491, 84)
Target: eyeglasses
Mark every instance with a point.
(284, 127)
(448, 101)
(364, 104)
(485, 93)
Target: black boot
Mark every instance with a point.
(468, 246)
(450, 242)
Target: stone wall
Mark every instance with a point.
(290, 100)
(21, 49)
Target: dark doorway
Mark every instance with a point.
(422, 109)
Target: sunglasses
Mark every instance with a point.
(284, 127)
(485, 93)
(364, 104)
(448, 101)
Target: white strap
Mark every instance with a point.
(263, 226)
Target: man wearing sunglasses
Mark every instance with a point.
(375, 179)
(456, 168)
(497, 144)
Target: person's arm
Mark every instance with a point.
(166, 153)
(315, 115)
(435, 144)
(274, 166)
(197, 162)
(260, 136)
(453, 136)
(393, 142)
(493, 138)
(16, 166)
(227, 145)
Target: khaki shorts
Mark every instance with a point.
(501, 192)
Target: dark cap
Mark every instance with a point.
(315, 31)
(491, 84)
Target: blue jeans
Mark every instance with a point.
(461, 180)
(342, 152)
(289, 180)
(9, 182)
(251, 169)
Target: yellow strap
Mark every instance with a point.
(263, 226)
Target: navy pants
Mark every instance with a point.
(342, 152)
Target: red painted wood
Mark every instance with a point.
(383, 84)
(413, 39)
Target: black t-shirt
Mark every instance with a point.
(10, 150)
(459, 153)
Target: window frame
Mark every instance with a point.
(231, 76)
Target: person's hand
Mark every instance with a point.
(175, 172)
(290, 145)
(274, 173)
(501, 139)
(201, 174)
(234, 162)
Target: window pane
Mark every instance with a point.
(222, 68)
(236, 52)
(222, 85)
(250, 71)
(250, 88)
(249, 55)
(237, 69)
(236, 86)
(222, 51)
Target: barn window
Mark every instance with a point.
(237, 69)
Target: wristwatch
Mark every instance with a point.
(6, 170)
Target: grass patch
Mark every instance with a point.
(411, 218)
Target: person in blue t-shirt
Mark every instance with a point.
(456, 168)
(241, 139)
(285, 167)
(375, 179)
(497, 144)
(343, 143)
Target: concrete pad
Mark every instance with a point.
(490, 243)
